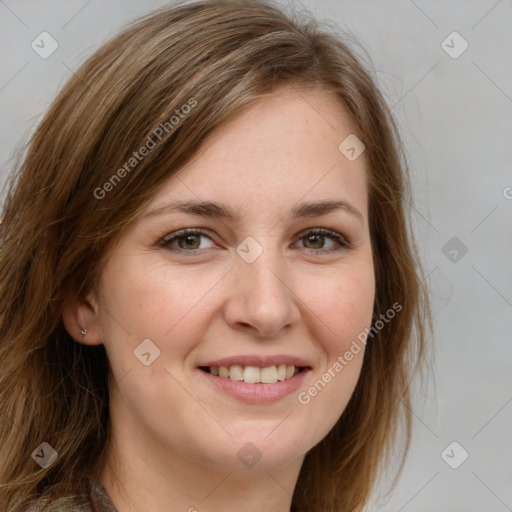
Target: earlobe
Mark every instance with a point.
(81, 320)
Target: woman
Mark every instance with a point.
(211, 296)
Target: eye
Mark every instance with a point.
(189, 241)
(317, 237)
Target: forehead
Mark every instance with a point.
(279, 151)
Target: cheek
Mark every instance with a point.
(147, 300)
(151, 298)
(343, 305)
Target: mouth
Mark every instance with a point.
(255, 378)
(255, 374)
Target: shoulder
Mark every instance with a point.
(91, 497)
(66, 504)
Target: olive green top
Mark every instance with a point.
(91, 498)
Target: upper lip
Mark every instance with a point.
(258, 360)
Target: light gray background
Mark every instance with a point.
(456, 116)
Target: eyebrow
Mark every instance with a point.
(222, 211)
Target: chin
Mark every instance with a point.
(258, 450)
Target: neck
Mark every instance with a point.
(190, 487)
(140, 476)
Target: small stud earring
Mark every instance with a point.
(80, 330)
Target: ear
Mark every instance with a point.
(84, 314)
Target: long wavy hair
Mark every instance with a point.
(57, 230)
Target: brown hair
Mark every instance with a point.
(56, 234)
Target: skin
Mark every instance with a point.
(176, 436)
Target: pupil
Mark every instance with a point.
(317, 237)
(189, 239)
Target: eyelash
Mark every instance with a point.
(342, 243)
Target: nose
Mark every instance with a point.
(261, 297)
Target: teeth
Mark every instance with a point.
(269, 375)
(254, 374)
(236, 372)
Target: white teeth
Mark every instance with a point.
(281, 372)
(269, 375)
(254, 374)
(236, 372)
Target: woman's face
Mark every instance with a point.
(257, 290)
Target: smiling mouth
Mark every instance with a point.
(254, 374)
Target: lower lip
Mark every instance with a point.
(256, 393)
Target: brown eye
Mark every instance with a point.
(315, 239)
(187, 240)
